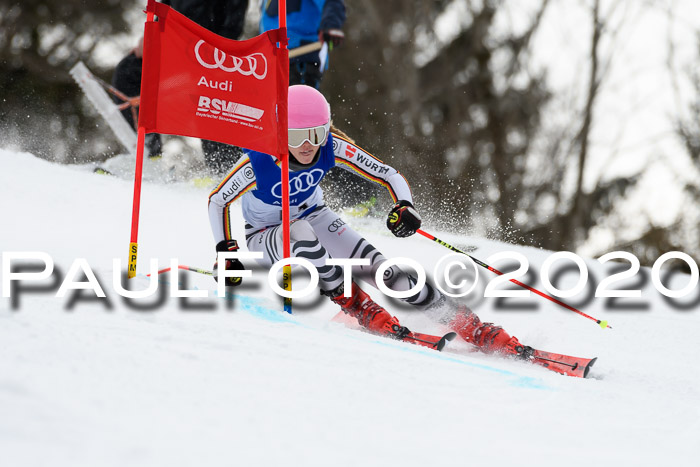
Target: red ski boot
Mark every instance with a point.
(369, 314)
(487, 337)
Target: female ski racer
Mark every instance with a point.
(317, 233)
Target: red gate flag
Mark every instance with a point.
(197, 83)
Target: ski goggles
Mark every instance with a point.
(316, 135)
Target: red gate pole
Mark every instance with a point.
(138, 175)
(286, 270)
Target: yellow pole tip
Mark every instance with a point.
(603, 324)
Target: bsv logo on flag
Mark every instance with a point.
(299, 183)
(252, 65)
(228, 109)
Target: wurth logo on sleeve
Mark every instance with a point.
(350, 151)
(372, 165)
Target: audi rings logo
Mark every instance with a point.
(252, 65)
(300, 183)
(336, 224)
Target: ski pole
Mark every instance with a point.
(186, 268)
(573, 366)
(305, 49)
(602, 323)
(127, 102)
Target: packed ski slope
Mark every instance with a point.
(210, 381)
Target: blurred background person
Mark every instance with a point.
(308, 21)
(223, 17)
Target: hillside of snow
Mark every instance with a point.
(88, 381)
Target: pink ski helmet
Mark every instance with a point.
(307, 108)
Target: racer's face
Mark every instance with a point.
(305, 153)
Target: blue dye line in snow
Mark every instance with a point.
(260, 308)
(255, 306)
(528, 382)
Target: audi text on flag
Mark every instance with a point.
(196, 83)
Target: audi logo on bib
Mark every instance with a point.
(299, 183)
(247, 66)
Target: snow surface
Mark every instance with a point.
(88, 382)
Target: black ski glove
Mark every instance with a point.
(231, 264)
(334, 37)
(403, 220)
